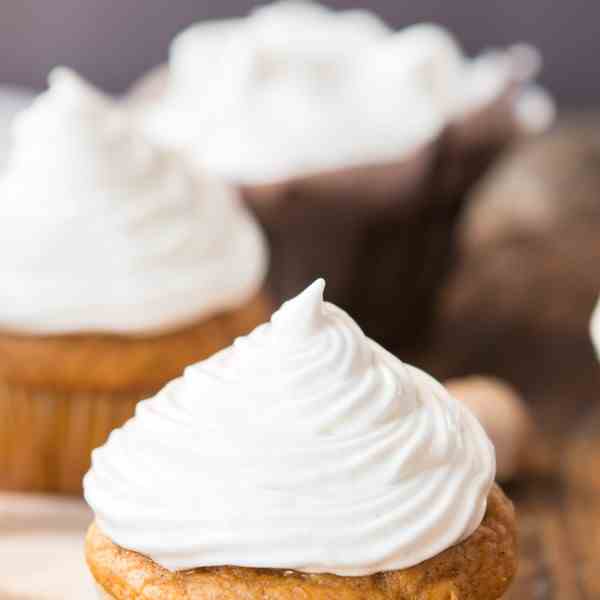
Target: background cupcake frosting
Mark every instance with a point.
(13, 99)
(103, 232)
(255, 104)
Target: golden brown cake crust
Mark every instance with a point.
(114, 363)
(480, 568)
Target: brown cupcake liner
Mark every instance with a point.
(469, 146)
(46, 437)
(371, 231)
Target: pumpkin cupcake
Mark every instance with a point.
(119, 268)
(303, 461)
(353, 144)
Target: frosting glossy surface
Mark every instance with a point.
(296, 88)
(100, 231)
(303, 446)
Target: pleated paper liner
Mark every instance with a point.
(46, 437)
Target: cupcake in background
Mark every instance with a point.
(354, 144)
(119, 268)
(304, 461)
(13, 99)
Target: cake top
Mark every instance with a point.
(296, 88)
(103, 232)
(303, 446)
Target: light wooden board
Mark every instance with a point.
(41, 548)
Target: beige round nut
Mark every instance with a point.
(501, 411)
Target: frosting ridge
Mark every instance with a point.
(305, 446)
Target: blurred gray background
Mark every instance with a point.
(112, 42)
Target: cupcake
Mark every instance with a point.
(352, 143)
(303, 461)
(120, 266)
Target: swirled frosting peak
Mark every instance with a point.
(303, 446)
(101, 231)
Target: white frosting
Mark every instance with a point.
(296, 88)
(102, 231)
(13, 99)
(303, 446)
(535, 110)
(595, 329)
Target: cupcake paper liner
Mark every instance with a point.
(371, 231)
(46, 437)
(469, 146)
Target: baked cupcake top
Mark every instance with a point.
(296, 88)
(303, 446)
(100, 231)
